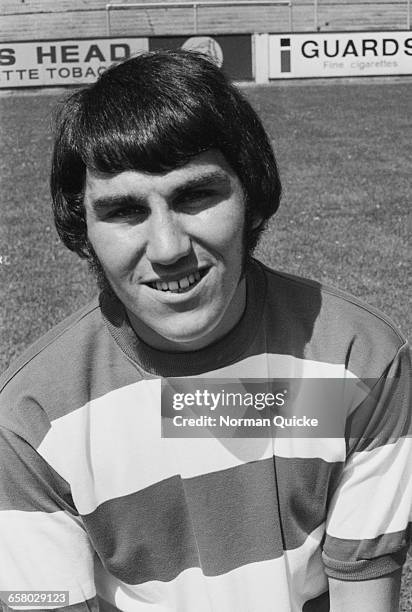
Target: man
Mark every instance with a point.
(163, 178)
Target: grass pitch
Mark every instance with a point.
(344, 156)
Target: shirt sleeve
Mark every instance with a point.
(43, 544)
(368, 526)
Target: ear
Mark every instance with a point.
(256, 221)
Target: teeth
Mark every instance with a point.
(174, 286)
(185, 282)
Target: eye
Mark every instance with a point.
(129, 213)
(196, 200)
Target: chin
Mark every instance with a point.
(200, 337)
(187, 338)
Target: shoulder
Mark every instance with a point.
(65, 335)
(63, 370)
(331, 325)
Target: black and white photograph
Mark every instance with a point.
(205, 268)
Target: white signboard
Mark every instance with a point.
(339, 54)
(68, 62)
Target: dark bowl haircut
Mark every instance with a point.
(153, 113)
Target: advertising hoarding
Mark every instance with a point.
(68, 62)
(339, 54)
(233, 52)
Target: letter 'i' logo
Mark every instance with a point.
(285, 55)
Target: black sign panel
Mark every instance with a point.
(233, 52)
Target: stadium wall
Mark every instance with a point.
(23, 20)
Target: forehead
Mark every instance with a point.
(208, 167)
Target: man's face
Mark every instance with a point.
(171, 247)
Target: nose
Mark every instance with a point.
(167, 240)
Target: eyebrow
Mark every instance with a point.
(100, 204)
(219, 178)
(215, 177)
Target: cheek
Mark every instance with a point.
(115, 250)
(233, 239)
(223, 227)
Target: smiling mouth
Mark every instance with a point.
(182, 285)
